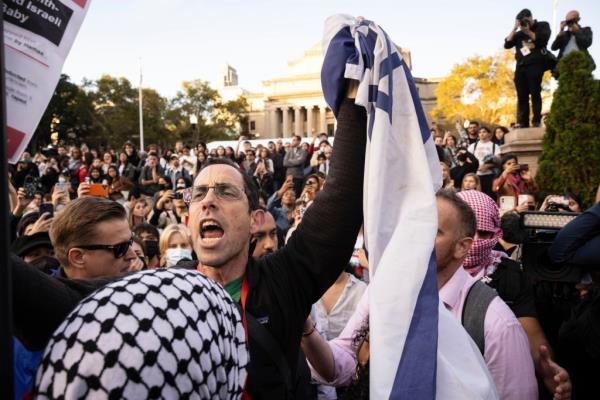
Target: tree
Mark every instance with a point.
(69, 113)
(479, 89)
(116, 111)
(230, 118)
(216, 119)
(570, 159)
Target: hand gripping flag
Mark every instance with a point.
(402, 174)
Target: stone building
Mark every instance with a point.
(294, 104)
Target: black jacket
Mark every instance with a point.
(282, 286)
(583, 38)
(542, 35)
(459, 171)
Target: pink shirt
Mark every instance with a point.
(507, 354)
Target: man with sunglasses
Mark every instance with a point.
(92, 239)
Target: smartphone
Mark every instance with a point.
(178, 196)
(98, 190)
(523, 199)
(47, 208)
(507, 203)
(62, 186)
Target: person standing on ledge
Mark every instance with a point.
(574, 37)
(529, 37)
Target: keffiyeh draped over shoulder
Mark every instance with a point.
(168, 334)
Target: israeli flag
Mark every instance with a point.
(408, 359)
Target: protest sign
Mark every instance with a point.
(38, 35)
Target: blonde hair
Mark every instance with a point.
(477, 181)
(165, 237)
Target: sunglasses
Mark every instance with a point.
(223, 191)
(118, 250)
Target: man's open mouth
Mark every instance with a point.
(211, 230)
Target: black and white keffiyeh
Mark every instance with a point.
(169, 334)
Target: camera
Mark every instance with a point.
(523, 22)
(558, 204)
(554, 285)
(571, 22)
(31, 185)
(524, 167)
(178, 196)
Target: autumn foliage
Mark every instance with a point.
(480, 89)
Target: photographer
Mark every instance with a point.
(569, 202)
(465, 163)
(578, 243)
(529, 38)
(572, 37)
(514, 180)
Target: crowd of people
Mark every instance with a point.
(243, 273)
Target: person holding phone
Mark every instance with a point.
(515, 179)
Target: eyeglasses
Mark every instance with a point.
(224, 191)
(119, 250)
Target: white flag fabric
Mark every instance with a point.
(417, 349)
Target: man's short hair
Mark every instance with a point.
(474, 123)
(249, 186)
(298, 137)
(134, 194)
(524, 13)
(466, 216)
(77, 222)
(145, 228)
(512, 232)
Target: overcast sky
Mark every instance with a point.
(181, 40)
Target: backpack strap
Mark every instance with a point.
(473, 316)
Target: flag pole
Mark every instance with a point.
(6, 344)
(141, 110)
(554, 22)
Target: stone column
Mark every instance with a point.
(286, 121)
(298, 121)
(274, 124)
(323, 119)
(309, 111)
(525, 143)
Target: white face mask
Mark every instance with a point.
(174, 255)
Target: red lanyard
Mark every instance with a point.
(243, 298)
